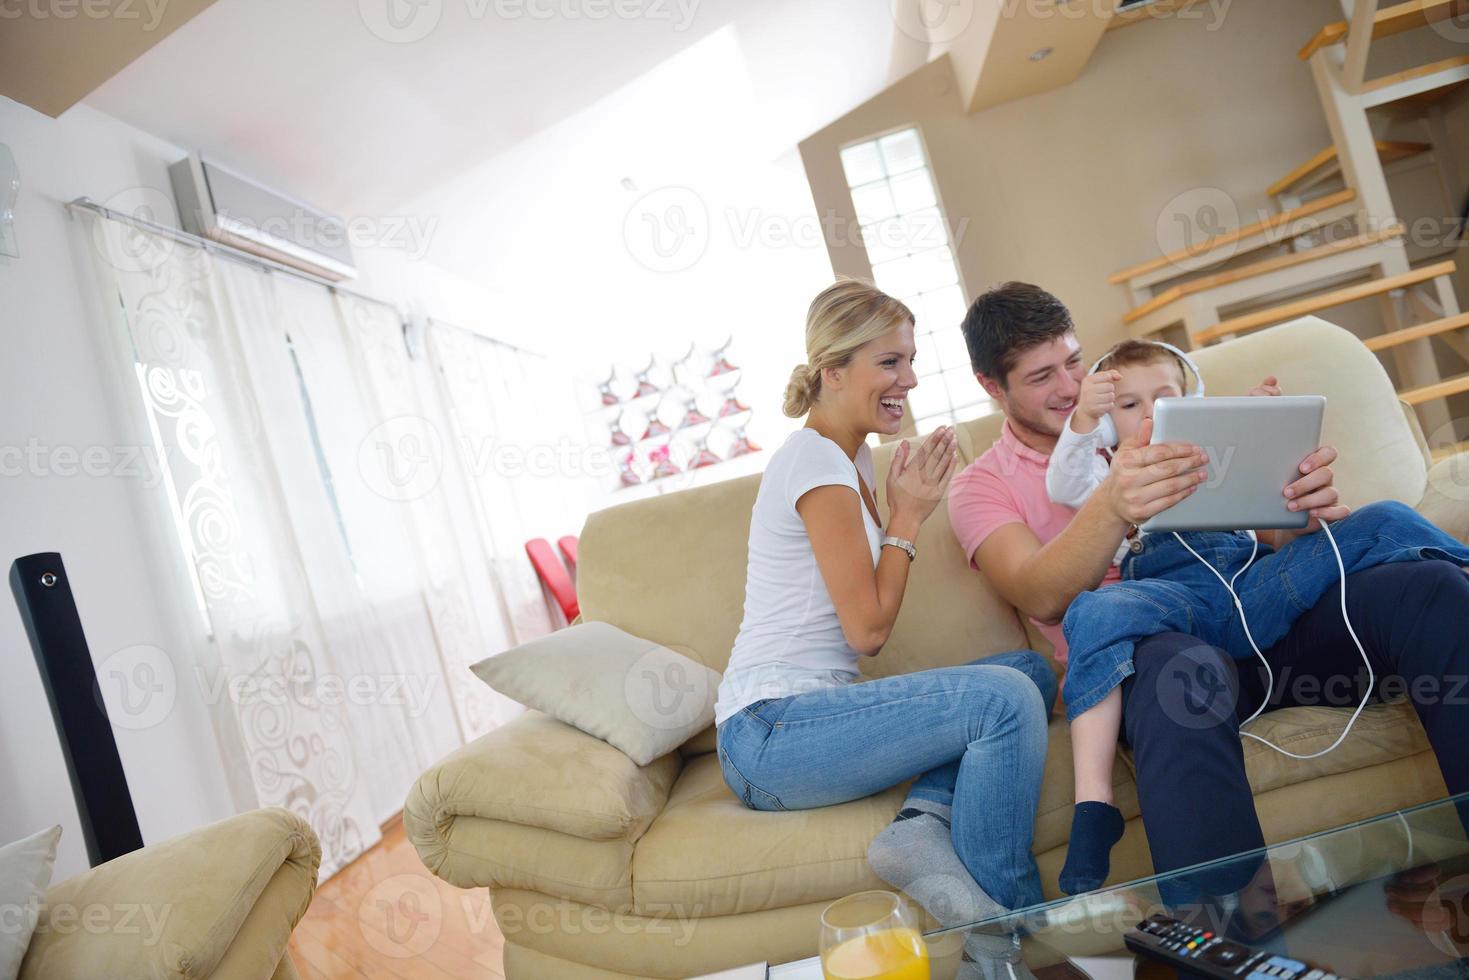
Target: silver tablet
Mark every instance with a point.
(1255, 446)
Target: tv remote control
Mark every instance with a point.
(1179, 944)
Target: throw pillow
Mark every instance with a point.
(25, 873)
(642, 698)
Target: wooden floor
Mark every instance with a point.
(385, 916)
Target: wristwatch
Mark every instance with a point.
(892, 542)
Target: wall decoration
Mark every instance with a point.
(668, 418)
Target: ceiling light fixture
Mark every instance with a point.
(1041, 55)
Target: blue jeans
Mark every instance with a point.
(1164, 589)
(975, 736)
(1182, 709)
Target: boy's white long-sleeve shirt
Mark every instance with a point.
(1076, 469)
(1077, 466)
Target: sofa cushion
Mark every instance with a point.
(536, 771)
(1382, 733)
(708, 852)
(686, 592)
(635, 695)
(178, 908)
(25, 871)
(1446, 501)
(950, 614)
(703, 808)
(482, 853)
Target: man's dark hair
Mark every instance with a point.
(1009, 320)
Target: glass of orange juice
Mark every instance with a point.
(872, 936)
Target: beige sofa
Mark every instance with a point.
(216, 902)
(600, 869)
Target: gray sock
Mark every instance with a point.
(915, 854)
(992, 957)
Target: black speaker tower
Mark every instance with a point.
(43, 592)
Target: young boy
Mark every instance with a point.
(1166, 588)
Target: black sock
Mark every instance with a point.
(1095, 828)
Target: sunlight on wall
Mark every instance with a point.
(654, 219)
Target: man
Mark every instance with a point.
(1183, 704)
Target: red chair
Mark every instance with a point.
(568, 545)
(553, 576)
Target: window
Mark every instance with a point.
(907, 243)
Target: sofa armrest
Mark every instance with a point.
(538, 772)
(219, 901)
(1446, 501)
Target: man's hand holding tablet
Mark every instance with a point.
(1147, 479)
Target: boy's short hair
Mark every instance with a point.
(1135, 353)
(1007, 321)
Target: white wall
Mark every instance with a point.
(56, 394)
(570, 254)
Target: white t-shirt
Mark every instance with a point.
(791, 640)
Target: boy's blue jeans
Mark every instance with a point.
(1164, 589)
(974, 735)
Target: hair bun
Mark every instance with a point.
(801, 390)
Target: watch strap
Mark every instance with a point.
(902, 544)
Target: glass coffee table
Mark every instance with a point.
(1382, 897)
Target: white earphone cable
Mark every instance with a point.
(1269, 674)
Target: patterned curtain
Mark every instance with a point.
(182, 312)
(353, 538)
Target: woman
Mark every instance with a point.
(823, 588)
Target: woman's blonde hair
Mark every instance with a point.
(843, 317)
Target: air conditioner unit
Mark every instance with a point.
(232, 209)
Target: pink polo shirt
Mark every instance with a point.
(1007, 485)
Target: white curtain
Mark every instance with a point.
(417, 491)
(519, 436)
(324, 535)
(183, 312)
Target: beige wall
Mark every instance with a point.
(54, 55)
(1066, 187)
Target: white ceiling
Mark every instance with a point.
(333, 102)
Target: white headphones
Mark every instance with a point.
(1107, 428)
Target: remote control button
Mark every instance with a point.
(1281, 963)
(1228, 954)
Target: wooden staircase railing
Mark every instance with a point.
(1323, 301)
(1388, 151)
(1392, 20)
(1275, 223)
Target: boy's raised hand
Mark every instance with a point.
(1098, 395)
(1267, 387)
